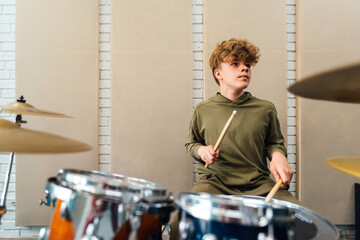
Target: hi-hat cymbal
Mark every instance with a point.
(25, 108)
(20, 140)
(341, 85)
(350, 165)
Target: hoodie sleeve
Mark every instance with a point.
(194, 140)
(274, 141)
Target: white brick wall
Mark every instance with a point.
(291, 103)
(7, 95)
(104, 91)
(198, 59)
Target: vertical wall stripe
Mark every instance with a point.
(105, 85)
(291, 101)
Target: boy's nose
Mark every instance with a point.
(245, 69)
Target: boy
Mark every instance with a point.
(239, 167)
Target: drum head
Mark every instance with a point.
(223, 208)
(114, 186)
(308, 225)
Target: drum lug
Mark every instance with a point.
(267, 220)
(135, 222)
(262, 236)
(42, 202)
(47, 201)
(64, 211)
(43, 234)
(171, 196)
(209, 236)
(186, 229)
(90, 235)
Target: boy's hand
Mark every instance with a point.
(280, 168)
(208, 154)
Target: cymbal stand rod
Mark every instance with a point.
(8, 172)
(6, 185)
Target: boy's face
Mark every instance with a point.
(234, 75)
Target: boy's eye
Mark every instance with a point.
(234, 64)
(248, 65)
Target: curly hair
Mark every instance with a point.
(233, 50)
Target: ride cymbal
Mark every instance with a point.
(349, 165)
(341, 85)
(25, 108)
(20, 140)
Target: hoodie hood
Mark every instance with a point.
(246, 97)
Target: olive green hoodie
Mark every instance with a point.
(253, 136)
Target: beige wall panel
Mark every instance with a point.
(56, 70)
(151, 91)
(327, 129)
(262, 23)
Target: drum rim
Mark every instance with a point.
(111, 185)
(237, 211)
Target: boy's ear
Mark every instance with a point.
(217, 74)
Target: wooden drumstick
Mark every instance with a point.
(273, 190)
(226, 127)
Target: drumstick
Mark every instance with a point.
(226, 127)
(273, 190)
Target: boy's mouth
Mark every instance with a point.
(244, 77)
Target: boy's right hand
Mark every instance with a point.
(208, 154)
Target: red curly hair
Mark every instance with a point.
(233, 50)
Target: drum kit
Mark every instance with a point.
(98, 205)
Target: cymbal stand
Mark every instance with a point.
(8, 171)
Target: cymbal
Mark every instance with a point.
(21, 140)
(349, 165)
(25, 108)
(341, 85)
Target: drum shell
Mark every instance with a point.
(233, 231)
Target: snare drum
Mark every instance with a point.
(96, 205)
(220, 217)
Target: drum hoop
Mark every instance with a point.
(111, 185)
(55, 191)
(226, 209)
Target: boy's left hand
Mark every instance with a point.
(280, 168)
